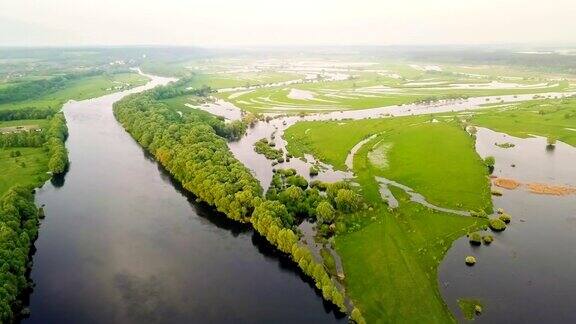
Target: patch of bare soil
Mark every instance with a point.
(506, 183)
(545, 189)
(537, 188)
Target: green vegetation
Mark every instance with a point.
(329, 261)
(551, 118)
(506, 218)
(487, 239)
(497, 225)
(27, 155)
(190, 149)
(475, 238)
(32, 136)
(449, 179)
(470, 307)
(490, 161)
(18, 229)
(267, 149)
(470, 260)
(28, 169)
(75, 88)
(403, 84)
(51, 138)
(390, 258)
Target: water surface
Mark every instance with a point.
(527, 274)
(121, 243)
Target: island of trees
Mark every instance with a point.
(191, 145)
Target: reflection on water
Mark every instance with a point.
(121, 243)
(527, 274)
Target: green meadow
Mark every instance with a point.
(30, 168)
(554, 118)
(391, 261)
(400, 84)
(81, 89)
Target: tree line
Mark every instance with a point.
(192, 152)
(18, 230)
(188, 146)
(51, 139)
(26, 90)
(25, 113)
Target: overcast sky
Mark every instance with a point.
(291, 22)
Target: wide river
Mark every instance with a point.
(122, 243)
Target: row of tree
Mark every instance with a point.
(181, 88)
(18, 230)
(57, 134)
(27, 113)
(26, 90)
(268, 149)
(51, 138)
(191, 150)
(308, 200)
(266, 220)
(32, 89)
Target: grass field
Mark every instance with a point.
(31, 167)
(82, 89)
(233, 80)
(12, 125)
(549, 118)
(28, 169)
(391, 262)
(398, 84)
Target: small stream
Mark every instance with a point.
(530, 265)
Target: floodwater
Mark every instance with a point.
(122, 243)
(527, 274)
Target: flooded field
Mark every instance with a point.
(529, 265)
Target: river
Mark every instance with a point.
(123, 243)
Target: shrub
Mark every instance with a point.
(497, 225)
(478, 214)
(320, 185)
(487, 239)
(477, 309)
(313, 171)
(490, 161)
(475, 238)
(470, 260)
(356, 316)
(505, 218)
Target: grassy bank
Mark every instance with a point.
(391, 257)
(555, 118)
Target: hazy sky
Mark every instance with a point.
(291, 22)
